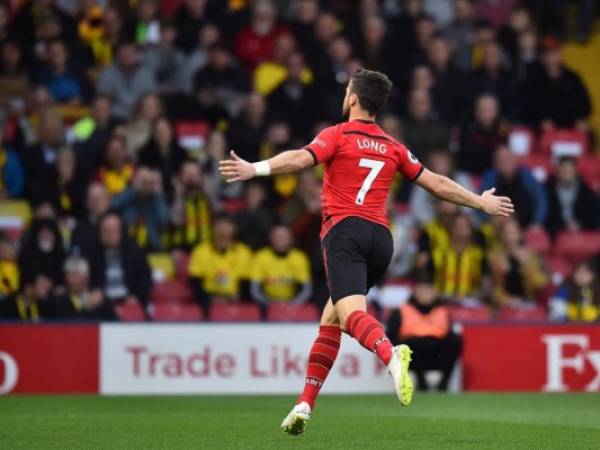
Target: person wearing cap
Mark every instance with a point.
(572, 205)
(424, 324)
(555, 96)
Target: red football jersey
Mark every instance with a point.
(360, 163)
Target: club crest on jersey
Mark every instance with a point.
(370, 144)
(413, 159)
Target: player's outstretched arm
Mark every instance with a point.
(237, 169)
(446, 189)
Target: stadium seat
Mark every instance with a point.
(540, 165)
(182, 266)
(533, 314)
(292, 313)
(130, 313)
(564, 142)
(576, 246)
(14, 217)
(477, 314)
(172, 312)
(162, 266)
(192, 135)
(589, 168)
(171, 291)
(246, 312)
(522, 140)
(538, 241)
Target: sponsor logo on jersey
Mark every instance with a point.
(370, 144)
(413, 159)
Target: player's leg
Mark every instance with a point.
(322, 355)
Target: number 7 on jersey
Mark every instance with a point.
(375, 167)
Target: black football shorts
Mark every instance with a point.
(356, 253)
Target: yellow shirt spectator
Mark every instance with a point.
(280, 275)
(221, 272)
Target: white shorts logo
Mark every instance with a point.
(11, 373)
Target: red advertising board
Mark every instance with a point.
(49, 358)
(553, 358)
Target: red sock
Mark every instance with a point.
(370, 334)
(321, 359)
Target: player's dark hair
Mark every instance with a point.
(372, 89)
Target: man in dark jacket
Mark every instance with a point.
(572, 204)
(120, 266)
(424, 324)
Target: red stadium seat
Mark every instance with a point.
(130, 313)
(192, 135)
(221, 312)
(171, 291)
(173, 312)
(564, 142)
(181, 268)
(533, 314)
(477, 314)
(538, 241)
(576, 246)
(292, 313)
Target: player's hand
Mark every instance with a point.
(236, 169)
(496, 206)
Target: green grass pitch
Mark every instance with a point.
(472, 421)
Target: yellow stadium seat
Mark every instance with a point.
(162, 266)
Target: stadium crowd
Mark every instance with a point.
(113, 116)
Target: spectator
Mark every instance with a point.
(422, 203)
(517, 273)
(166, 60)
(448, 91)
(93, 132)
(80, 301)
(558, 19)
(422, 133)
(191, 16)
(480, 137)
(120, 267)
(435, 234)
(9, 270)
(256, 43)
(11, 171)
(116, 172)
(138, 129)
(424, 325)
(208, 36)
(39, 161)
(291, 101)
(460, 33)
(376, 51)
(192, 208)
(256, 218)
(41, 258)
(85, 234)
(144, 28)
(460, 268)
(401, 228)
(516, 182)
(280, 272)
(144, 209)
(246, 132)
(526, 62)
(578, 299)
(163, 153)
(556, 95)
(126, 80)
(493, 77)
(71, 184)
(58, 76)
(219, 271)
(572, 205)
(519, 22)
(221, 81)
(14, 80)
(268, 75)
